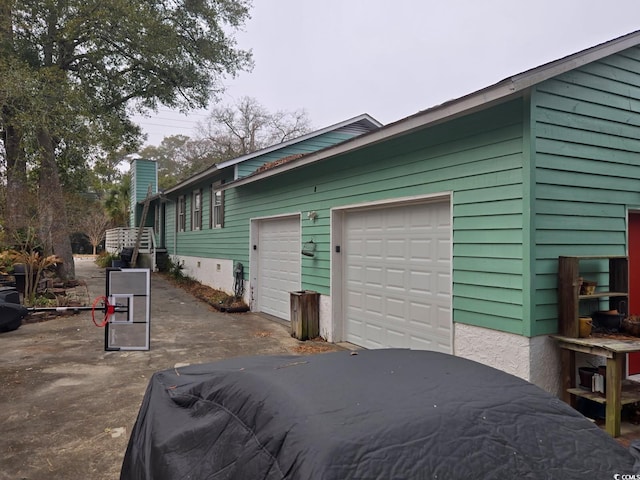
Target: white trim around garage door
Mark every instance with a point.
(344, 216)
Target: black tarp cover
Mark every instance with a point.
(384, 414)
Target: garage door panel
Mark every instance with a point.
(395, 309)
(421, 283)
(355, 273)
(443, 251)
(373, 274)
(373, 304)
(395, 336)
(374, 335)
(396, 249)
(399, 263)
(279, 270)
(418, 312)
(419, 343)
(395, 278)
(421, 250)
(443, 284)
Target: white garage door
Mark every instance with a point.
(397, 286)
(279, 264)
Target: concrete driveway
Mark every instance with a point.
(67, 407)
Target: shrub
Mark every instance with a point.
(175, 270)
(106, 259)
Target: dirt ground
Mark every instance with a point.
(67, 406)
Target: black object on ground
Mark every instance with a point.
(375, 414)
(20, 274)
(9, 295)
(126, 255)
(11, 315)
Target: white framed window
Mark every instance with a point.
(217, 206)
(181, 217)
(196, 210)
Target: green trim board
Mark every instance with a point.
(529, 288)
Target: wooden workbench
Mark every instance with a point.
(618, 393)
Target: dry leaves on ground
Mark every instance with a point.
(210, 295)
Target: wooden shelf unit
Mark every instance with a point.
(569, 297)
(618, 391)
(630, 393)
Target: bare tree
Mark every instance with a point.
(94, 225)
(247, 126)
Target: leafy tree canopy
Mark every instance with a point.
(178, 157)
(72, 72)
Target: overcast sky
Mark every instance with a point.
(390, 59)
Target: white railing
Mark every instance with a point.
(118, 238)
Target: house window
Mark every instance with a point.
(196, 214)
(182, 214)
(217, 206)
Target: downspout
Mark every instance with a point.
(175, 230)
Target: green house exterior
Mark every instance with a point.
(496, 185)
(211, 252)
(144, 181)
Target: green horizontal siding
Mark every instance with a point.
(207, 242)
(550, 174)
(143, 175)
(479, 158)
(587, 145)
(307, 146)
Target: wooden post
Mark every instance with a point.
(568, 375)
(614, 394)
(568, 292)
(305, 314)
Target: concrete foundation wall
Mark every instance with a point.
(536, 359)
(326, 328)
(213, 272)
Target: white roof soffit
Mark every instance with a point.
(504, 90)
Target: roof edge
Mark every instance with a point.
(511, 87)
(362, 117)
